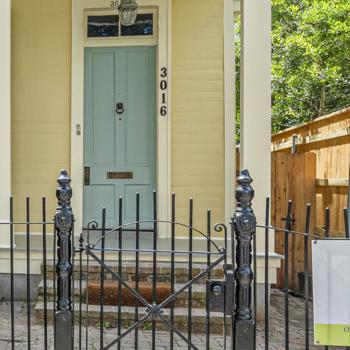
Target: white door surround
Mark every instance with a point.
(79, 42)
(5, 118)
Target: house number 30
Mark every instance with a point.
(114, 3)
(163, 89)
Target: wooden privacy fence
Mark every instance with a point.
(317, 173)
(328, 138)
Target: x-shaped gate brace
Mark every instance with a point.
(155, 311)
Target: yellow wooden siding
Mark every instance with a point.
(41, 103)
(41, 40)
(198, 107)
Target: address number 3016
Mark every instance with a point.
(163, 84)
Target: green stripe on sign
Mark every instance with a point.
(332, 334)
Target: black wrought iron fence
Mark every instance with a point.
(137, 287)
(26, 227)
(304, 327)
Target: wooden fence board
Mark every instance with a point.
(293, 178)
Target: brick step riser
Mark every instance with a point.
(93, 276)
(111, 321)
(144, 270)
(147, 268)
(198, 296)
(198, 302)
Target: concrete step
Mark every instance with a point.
(51, 292)
(145, 271)
(91, 316)
(198, 293)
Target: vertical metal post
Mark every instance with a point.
(63, 227)
(244, 223)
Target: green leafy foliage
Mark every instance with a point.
(310, 59)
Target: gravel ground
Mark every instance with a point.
(296, 334)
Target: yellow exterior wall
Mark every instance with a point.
(41, 44)
(198, 107)
(41, 41)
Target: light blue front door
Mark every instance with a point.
(119, 132)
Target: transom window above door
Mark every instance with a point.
(109, 26)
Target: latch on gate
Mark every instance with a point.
(221, 292)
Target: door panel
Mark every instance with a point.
(97, 197)
(137, 129)
(102, 97)
(130, 208)
(119, 142)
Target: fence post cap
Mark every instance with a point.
(63, 177)
(63, 191)
(244, 177)
(244, 190)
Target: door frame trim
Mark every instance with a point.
(163, 124)
(5, 119)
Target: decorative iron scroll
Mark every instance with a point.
(244, 223)
(64, 226)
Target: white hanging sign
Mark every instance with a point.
(331, 292)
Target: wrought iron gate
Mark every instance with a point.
(221, 297)
(155, 310)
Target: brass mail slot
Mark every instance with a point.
(119, 175)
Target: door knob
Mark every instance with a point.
(119, 108)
